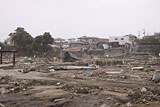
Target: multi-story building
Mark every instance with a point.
(123, 40)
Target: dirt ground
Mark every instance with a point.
(115, 86)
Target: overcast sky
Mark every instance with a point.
(75, 18)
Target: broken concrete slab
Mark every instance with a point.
(1, 105)
(113, 72)
(73, 68)
(138, 68)
(106, 92)
(118, 95)
(143, 89)
(52, 94)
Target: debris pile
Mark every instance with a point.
(146, 96)
(10, 84)
(96, 82)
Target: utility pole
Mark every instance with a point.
(139, 34)
(144, 32)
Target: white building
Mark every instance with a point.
(59, 40)
(121, 39)
(70, 40)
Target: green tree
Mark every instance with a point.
(1, 44)
(41, 43)
(22, 41)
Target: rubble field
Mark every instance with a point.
(111, 86)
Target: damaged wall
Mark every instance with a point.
(153, 49)
(115, 51)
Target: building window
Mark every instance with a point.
(116, 39)
(122, 38)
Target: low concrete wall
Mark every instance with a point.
(149, 48)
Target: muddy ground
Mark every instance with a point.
(112, 86)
